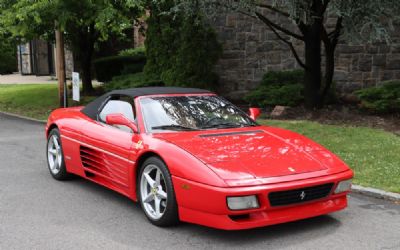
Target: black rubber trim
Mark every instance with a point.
(233, 133)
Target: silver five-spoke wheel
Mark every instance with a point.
(153, 192)
(54, 154)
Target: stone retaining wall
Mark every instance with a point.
(251, 50)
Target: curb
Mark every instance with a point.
(23, 117)
(367, 191)
(376, 193)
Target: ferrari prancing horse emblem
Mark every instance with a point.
(302, 195)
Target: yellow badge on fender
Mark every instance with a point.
(139, 145)
(185, 186)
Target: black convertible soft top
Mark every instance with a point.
(93, 107)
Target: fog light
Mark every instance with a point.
(242, 202)
(343, 186)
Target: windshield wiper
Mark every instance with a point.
(172, 127)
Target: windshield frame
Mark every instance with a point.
(145, 125)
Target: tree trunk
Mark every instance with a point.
(313, 74)
(82, 41)
(86, 68)
(329, 72)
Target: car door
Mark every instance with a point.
(107, 151)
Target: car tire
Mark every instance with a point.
(153, 191)
(55, 156)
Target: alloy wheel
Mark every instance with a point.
(153, 192)
(54, 154)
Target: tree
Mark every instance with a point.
(84, 23)
(181, 50)
(367, 20)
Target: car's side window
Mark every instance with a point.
(122, 105)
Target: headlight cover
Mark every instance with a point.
(242, 202)
(343, 186)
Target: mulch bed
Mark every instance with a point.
(342, 115)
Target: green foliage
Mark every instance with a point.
(8, 56)
(133, 81)
(138, 51)
(108, 67)
(84, 23)
(29, 19)
(181, 49)
(381, 99)
(278, 88)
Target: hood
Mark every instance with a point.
(257, 152)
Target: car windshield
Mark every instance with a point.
(195, 112)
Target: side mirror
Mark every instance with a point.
(120, 119)
(254, 113)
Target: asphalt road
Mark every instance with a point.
(37, 212)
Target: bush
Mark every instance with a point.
(132, 81)
(139, 51)
(181, 49)
(108, 67)
(278, 88)
(8, 56)
(381, 99)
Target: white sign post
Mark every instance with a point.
(75, 86)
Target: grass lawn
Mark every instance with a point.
(32, 100)
(373, 154)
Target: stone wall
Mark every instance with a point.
(251, 50)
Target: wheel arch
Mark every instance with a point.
(51, 127)
(138, 165)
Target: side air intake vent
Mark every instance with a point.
(101, 165)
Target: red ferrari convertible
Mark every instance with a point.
(190, 155)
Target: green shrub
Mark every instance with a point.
(381, 99)
(139, 51)
(278, 88)
(8, 56)
(132, 81)
(181, 49)
(108, 67)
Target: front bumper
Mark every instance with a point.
(206, 205)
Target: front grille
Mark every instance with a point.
(288, 197)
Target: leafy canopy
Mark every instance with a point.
(366, 20)
(32, 18)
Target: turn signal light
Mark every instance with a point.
(242, 202)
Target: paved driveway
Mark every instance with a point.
(17, 78)
(37, 212)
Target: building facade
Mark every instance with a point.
(38, 57)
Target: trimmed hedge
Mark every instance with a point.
(381, 99)
(278, 88)
(138, 51)
(108, 67)
(132, 81)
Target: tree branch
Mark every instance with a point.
(270, 7)
(277, 27)
(334, 35)
(295, 54)
(324, 6)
